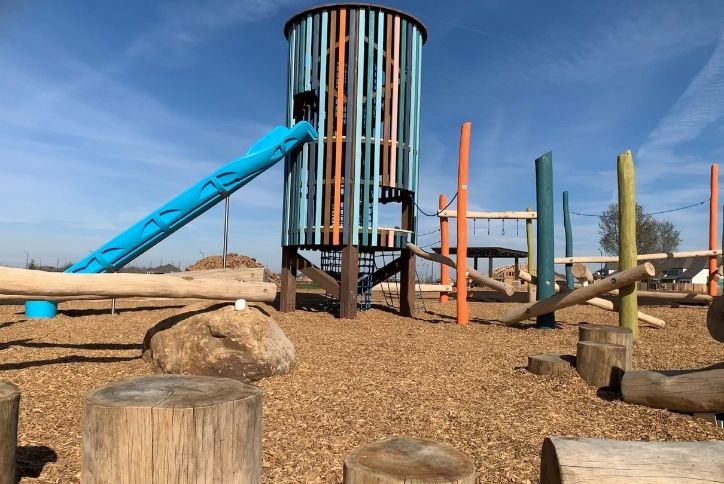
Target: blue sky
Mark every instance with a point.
(108, 109)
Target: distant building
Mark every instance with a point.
(689, 270)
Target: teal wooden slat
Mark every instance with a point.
(413, 110)
(288, 159)
(401, 117)
(304, 169)
(378, 127)
(358, 127)
(416, 142)
(366, 219)
(321, 127)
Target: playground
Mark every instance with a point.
(360, 380)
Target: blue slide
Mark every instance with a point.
(179, 211)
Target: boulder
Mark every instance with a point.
(216, 340)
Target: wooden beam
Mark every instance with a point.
(585, 259)
(386, 271)
(317, 275)
(461, 276)
(491, 215)
(580, 295)
(628, 302)
(530, 243)
(545, 236)
(444, 247)
(25, 282)
(348, 284)
(472, 273)
(407, 283)
(288, 292)
(712, 286)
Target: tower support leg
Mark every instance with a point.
(288, 296)
(407, 283)
(348, 284)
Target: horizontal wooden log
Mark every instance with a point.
(600, 303)
(550, 363)
(25, 282)
(570, 460)
(472, 273)
(660, 297)
(419, 287)
(590, 259)
(580, 295)
(242, 274)
(715, 319)
(491, 215)
(699, 391)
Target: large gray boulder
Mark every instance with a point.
(217, 340)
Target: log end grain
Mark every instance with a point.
(406, 459)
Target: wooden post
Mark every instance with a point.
(444, 248)
(567, 460)
(400, 460)
(569, 239)
(348, 285)
(171, 428)
(288, 294)
(628, 305)
(601, 364)
(407, 283)
(461, 286)
(531, 255)
(601, 333)
(544, 200)
(490, 267)
(9, 406)
(713, 206)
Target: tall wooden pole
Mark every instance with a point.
(544, 200)
(531, 254)
(569, 239)
(461, 286)
(713, 206)
(628, 305)
(444, 247)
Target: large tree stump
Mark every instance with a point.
(601, 364)
(549, 363)
(715, 319)
(699, 391)
(616, 335)
(9, 405)
(406, 460)
(569, 460)
(172, 429)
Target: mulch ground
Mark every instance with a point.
(359, 381)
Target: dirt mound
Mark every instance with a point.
(233, 261)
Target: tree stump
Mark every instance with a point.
(601, 364)
(172, 429)
(9, 406)
(568, 460)
(715, 319)
(691, 391)
(407, 460)
(549, 363)
(615, 335)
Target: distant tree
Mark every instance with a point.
(651, 235)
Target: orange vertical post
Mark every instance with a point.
(337, 207)
(713, 207)
(461, 275)
(444, 247)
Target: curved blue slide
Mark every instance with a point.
(182, 209)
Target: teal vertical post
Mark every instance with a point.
(544, 200)
(569, 239)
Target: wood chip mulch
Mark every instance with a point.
(361, 380)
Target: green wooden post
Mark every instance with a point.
(531, 254)
(569, 239)
(544, 201)
(628, 304)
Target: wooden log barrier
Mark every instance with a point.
(569, 460)
(715, 319)
(580, 295)
(601, 364)
(598, 302)
(697, 391)
(9, 406)
(169, 428)
(599, 333)
(407, 460)
(549, 363)
(582, 273)
(29, 283)
(472, 273)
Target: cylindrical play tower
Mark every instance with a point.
(354, 74)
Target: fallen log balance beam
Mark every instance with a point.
(640, 257)
(242, 274)
(472, 273)
(580, 295)
(695, 391)
(658, 298)
(25, 282)
(600, 303)
(567, 460)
